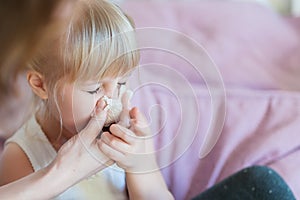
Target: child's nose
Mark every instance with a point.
(111, 91)
(109, 94)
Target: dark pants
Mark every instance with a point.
(253, 183)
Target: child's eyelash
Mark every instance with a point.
(98, 89)
(94, 91)
(122, 83)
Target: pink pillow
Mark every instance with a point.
(251, 45)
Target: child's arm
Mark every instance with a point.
(133, 150)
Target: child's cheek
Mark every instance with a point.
(82, 110)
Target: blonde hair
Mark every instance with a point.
(99, 42)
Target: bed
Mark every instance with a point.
(219, 83)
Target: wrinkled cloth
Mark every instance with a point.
(257, 182)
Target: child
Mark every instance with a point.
(76, 71)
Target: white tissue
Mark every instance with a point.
(114, 109)
(118, 109)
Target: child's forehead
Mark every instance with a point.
(98, 81)
(108, 78)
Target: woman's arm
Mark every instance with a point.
(77, 159)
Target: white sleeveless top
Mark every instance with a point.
(107, 184)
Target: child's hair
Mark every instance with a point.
(99, 41)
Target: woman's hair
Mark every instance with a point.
(23, 24)
(99, 41)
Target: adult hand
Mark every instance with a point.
(80, 156)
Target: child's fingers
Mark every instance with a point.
(114, 147)
(125, 134)
(135, 113)
(110, 152)
(126, 97)
(138, 123)
(124, 117)
(115, 142)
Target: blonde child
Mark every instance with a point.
(73, 74)
(24, 26)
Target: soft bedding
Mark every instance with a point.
(254, 117)
(245, 112)
(259, 129)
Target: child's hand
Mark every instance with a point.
(125, 97)
(132, 148)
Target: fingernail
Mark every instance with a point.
(100, 104)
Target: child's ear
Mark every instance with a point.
(37, 84)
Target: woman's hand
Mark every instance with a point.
(80, 156)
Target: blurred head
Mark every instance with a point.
(24, 25)
(89, 60)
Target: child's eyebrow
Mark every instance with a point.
(92, 84)
(89, 84)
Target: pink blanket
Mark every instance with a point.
(204, 130)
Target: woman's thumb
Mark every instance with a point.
(96, 123)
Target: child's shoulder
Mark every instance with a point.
(14, 164)
(33, 142)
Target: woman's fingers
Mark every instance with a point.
(96, 123)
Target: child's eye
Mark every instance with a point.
(94, 91)
(122, 83)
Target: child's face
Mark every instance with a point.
(77, 101)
